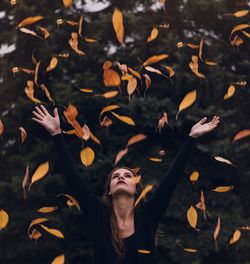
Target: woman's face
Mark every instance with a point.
(122, 181)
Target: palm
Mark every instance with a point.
(202, 128)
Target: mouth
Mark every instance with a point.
(120, 182)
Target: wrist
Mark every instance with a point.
(58, 131)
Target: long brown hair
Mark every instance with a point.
(117, 241)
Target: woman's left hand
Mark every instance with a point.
(202, 128)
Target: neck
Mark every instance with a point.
(123, 206)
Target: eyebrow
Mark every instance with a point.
(126, 173)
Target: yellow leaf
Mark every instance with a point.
(241, 13)
(194, 176)
(124, 119)
(94, 138)
(4, 219)
(29, 20)
(230, 92)
(73, 42)
(36, 222)
(153, 35)
(221, 159)
(111, 78)
(242, 134)
(90, 40)
(223, 189)
(187, 101)
(53, 64)
(67, 3)
(143, 251)
(192, 216)
(137, 179)
(35, 234)
(154, 59)
(211, 63)
(190, 250)
(86, 90)
(194, 66)
(59, 259)
(71, 199)
(110, 94)
(87, 156)
(236, 41)
(48, 209)
(147, 189)
(237, 28)
(236, 237)
(117, 20)
(29, 90)
(40, 172)
(107, 109)
(106, 122)
(155, 159)
(52, 231)
(120, 155)
(132, 84)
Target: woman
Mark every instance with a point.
(122, 232)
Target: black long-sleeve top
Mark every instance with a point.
(146, 216)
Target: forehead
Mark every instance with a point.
(122, 171)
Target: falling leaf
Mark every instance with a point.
(236, 41)
(236, 237)
(132, 84)
(211, 63)
(194, 176)
(117, 20)
(23, 134)
(143, 251)
(237, 28)
(1, 129)
(70, 113)
(59, 259)
(135, 73)
(164, 26)
(108, 95)
(106, 122)
(86, 132)
(124, 119)
(136, 138)
(86, 90)
(107, 65)
(36, 72)
(230, 92)
(36, 222)
(87, 156)
(47, 209)
(153, 35)
(155, 159)
(192, 216)
(223, 189)
(72, 23)
(45, 32)
(40, 172)
(162, 121)
(80, 26)
(29, 20)
(242, 134)
(47, 93)
(216, 232)
(148, 80)
(120, 155)
(90, 40)
(201, 205)
(4, 219)
(29, 90)
(189, 250)
(187, 101)
(107, 109)
(73, 201)
(111, 78)
(35, 234)
(137, 179)
(147, 189)
(52, 231)
(73, 42)
(67, 3)
(221, 159)
(201, 49)
(170, 71)
(28, 31)
(151, 69)
(52, 65)
(194, 66)
(25, 181)
(155, 59)
(239, 13)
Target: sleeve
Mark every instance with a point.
(158, 204)
(88, 202)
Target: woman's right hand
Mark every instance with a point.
(50, 123)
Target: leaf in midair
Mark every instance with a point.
(143, 251)
(170, 71)
(80, 26)
(107, 65)
(53, 231)
(73, 42)
(1, 129)
(107, 109)
(151, 69)
(187, 101)
(194, 176)
(25, 181)
(37, 66)
(136, 138)
(221, 159)
(135, 73)
(47, 93)
(132, 84)
(155, 159)
(147, 80)
(120, 155)
(147, 189)
(236, 237)
(108, 95)
(52, 65)
(223, 189)
(47, 209)
(67, 3)
(23, 134)
(35, 235)
(237, 41)
(162, 121)
(90, 40)
(59, 259)
(125, 119)
(154, 59)
(201, 49)
(86, 90)
(111, 78)
(239, 13)
(117, 20)
(189, 250)
(237, 28)
(216, 232)
(242, 134)
(94, 138)
(4, 219)
(87, 156)
(29, 90)
(106, 122)
(45, 32)
(70, 113)
(230, 92)
(153, 35)
(36, 222)
(192, 217)
(29, 20)
(201, 205)
(31, 32)
(40, 172)
(72, 200)
(194, 66)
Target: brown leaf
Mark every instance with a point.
(47, 93)
(132, 84)
(29, 90)
(45, 32)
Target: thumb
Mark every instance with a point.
(203, 120)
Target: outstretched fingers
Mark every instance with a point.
(45, 111)
(40, 111)
(37, 115)
(37, 120)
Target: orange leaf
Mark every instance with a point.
(117, 20)
(120, 155)
(153, 35)
(4, 219)
(223, 189)
(67, 3)
(73, 42)
(25, 181)
(52, 65)
(124, 119)
(29, 20)
(52, 231)
(224, 160)
(87, 156)
(136, 139)
(111, 78)
(31, 32)
(195, 67)
(147, 189)
(242, 134)
(155, 59)
(192, 216)
(236, 237)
